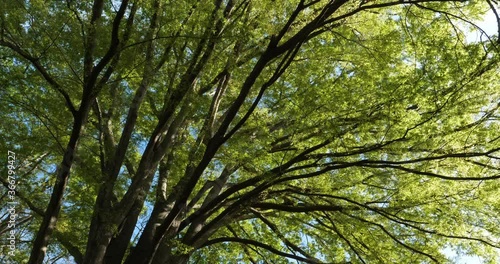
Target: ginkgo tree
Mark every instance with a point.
(241, 131)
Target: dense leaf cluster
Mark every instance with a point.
(248, 131)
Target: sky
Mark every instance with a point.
(488, 24)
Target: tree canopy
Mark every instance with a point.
(241, 131)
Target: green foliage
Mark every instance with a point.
(372, 139)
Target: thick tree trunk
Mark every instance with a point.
(146, 245)
(166, 257)
(99, 245)
(51, 214)
(119, 244)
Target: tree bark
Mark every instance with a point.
(51, 214)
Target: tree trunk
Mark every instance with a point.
(119, 244)
(51, 214)
(165, 257)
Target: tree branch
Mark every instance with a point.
(287, 242)
(50, 80)
(258, 244)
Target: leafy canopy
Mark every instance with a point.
(251, 131)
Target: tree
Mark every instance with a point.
(254, 131)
